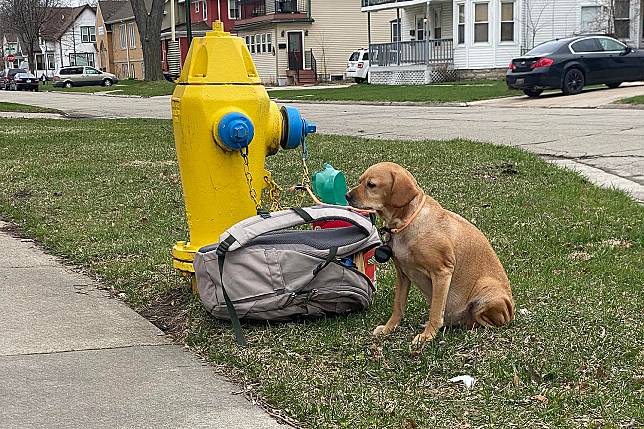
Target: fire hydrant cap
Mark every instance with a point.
(235, 131)
(297, 128)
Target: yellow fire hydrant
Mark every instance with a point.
(224, 127)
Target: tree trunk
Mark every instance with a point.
(149, 25)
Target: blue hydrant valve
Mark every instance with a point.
(235, 131)
(295, 128)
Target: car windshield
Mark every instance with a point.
(25, 76)
(354, 56)
(16, 71)
(544, 49)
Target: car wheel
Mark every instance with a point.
(68, 85)
(613, 85)
(107, 82)
(532, 93)
(573, 82)
(358, 79)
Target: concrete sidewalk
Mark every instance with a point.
(72, 357)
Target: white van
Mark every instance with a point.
(358, 66)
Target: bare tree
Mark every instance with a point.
(149, 24)
(26, 18)
(322, 43)
(535, 19)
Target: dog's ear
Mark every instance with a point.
(403, 189)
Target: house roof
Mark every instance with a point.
(124, 12)
(110, 7)
(11, 37)
(60, 19)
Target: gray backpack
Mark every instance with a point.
(263, 270)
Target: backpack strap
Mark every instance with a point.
(255, 226)
(222, 249)
(329, 257)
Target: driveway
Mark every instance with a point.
(606, 145)
(600, 96)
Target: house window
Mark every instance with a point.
(263, 43)
(248, 42)
(395, 31)
(88, 34)
(258, 44)
(437, 25)
(82, 59)
(204, 11)
(50, 62)
(40, 65)
(622, 19)
(481, 23)
(461, 24)
(131, 33)
(132, 72)
(123, 36)
(420, 28)
(252, 44)
(590, 17)
(507, 21)
(197, 5)
(269, 42)
(233, 9)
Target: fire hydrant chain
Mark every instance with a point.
(249, 182)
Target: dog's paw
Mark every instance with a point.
(422, 338)
(382, 330)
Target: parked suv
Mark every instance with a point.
(358, 66)
(82, 75)
(7, 76)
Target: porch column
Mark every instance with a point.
(427, 34)
(369, 37)
(398, 36)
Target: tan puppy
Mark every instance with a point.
(444, 255)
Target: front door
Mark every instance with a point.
(295, 51)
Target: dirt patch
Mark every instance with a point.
(169, 312)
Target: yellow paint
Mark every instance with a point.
(218, 77)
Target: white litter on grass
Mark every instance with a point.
(524, 311)
(467, 380)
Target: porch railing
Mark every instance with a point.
(310, 62)
(253, 8)
(433, 51)
(366, 3)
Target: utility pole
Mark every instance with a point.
(188, 23)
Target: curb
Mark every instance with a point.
(371, 103)
(99, 94)
(623, 106)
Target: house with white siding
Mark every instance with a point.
(303, 41)
(438, 40)
(68, 39)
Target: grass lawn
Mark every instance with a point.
(25, 108)
(633, 100)
(440, 93)
(107, 196)
(123, 87)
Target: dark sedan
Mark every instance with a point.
(24, 81)
(570, 64)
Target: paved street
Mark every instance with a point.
(606, 145)
(72, 357)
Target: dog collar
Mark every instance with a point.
(411, 218)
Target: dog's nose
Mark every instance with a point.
(348, 196)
